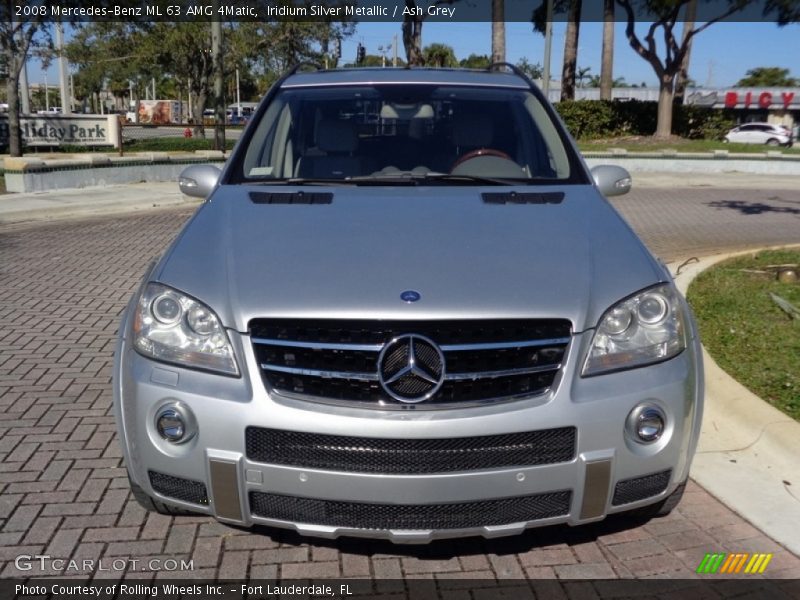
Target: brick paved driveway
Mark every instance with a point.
(63, 489)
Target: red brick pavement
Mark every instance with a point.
(63, 489)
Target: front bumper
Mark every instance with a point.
(244, 492)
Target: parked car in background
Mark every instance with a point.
(406, 310)
(760, 133)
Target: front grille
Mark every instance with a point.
(337, 360)
(409, 456)
(639, 488)
(360, 515)
(179, 488)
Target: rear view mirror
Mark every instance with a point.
(612, 180)
(199, 180)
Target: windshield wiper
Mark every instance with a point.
(411, 178)
(473, 179)
(298, 181)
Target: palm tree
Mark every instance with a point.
(498, 31)
(571, 51)
(583, 75)
(439, 55)
(607, 62)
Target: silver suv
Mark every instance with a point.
(406, 310)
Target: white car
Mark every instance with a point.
(760, 133)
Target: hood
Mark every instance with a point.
(353, 257)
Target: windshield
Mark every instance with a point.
(388, 132)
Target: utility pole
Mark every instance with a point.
(394, 48)
(548, 45)
(219, 99)
(239, 97)
(66, 99)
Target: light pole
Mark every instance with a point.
(238, 96)
(66, 99)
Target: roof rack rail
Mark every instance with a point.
(305, 63)
(514, 68)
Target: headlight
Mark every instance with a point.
(640, 330)
(172, 327)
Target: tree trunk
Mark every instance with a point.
(607, 64)
(571, 51)
(665, 98)
(12, 87)
(412, 40)
(197, 114)
(498, 31)
(683, 72)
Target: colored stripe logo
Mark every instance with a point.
(742, 562)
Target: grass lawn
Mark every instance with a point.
(649, 144)
(748, 335)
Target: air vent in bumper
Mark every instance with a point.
(359, 515)
(640, 488)
(409, 456)
(178, 488)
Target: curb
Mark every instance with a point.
(748, 450)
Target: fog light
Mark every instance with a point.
(175, 423)
(646, 423)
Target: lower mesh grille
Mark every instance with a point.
(426, 455)
(410, 516)
(639, 488)
(179, 488)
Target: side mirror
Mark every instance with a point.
(198, 180)
(612, 180)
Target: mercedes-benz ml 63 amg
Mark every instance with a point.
(406, 310)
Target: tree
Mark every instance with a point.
(767, 77)
(475, 61)
(595, 81)
(568, 71)
(534, 71)
(664, 16)
(439, 55)
(583, 75)
(413, 18)
(607, 60)
(16, 40)
(573, 10)
(498, 31)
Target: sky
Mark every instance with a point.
(721, 55)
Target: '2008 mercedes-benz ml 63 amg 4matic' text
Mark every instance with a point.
(406, 310)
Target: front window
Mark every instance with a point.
(378, 133)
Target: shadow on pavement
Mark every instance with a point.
(754, 208)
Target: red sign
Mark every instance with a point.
(763, 100)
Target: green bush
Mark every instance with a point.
(592, 119)
(698, 122)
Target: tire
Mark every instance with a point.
(772, 142)
(665, 506)
(152, 505)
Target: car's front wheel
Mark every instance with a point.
(772, 142)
